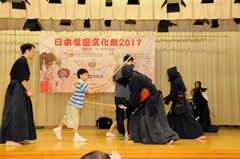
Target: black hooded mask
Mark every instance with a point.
(127, 71)
(172, 73)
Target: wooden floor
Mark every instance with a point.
(224, 144)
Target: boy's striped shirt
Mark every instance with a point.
(77, 98)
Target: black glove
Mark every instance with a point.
(166, 100)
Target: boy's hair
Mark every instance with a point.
(81, 71)
(26, 46)
(126, 57)
(96, 155)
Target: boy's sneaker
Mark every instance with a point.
(78, 138)
(58, 133)
(126, 135)
(110, 134)
(121, 136)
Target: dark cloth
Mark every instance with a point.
(17, 119)
(149, 125)
(213, 129)
(201, 111)
(203, 89)
(20, 70)
(120, 114)
(184, 124)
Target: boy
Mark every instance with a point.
(71, 116)
(122, 93)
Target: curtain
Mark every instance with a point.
(96, 9)
(209, 57)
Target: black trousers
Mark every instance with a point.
(120, 114)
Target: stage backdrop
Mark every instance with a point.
(210, 57)
(62, 56)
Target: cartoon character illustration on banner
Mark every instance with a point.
(49, 70)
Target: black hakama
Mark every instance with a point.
(202, 112)
(149, 125)
(184, 124)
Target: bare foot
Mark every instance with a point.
(131, 141)
(201, 138)
(202, 141)
(23, 142)
(12, 143)
(170, 142)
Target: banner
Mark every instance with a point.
(62, 56)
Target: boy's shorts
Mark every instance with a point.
(71, 117)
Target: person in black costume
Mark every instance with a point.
(198, 84)
(148, 121)
(180, 116)
(17, 119)
(201, 109)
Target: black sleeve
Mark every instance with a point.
(173, 93)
